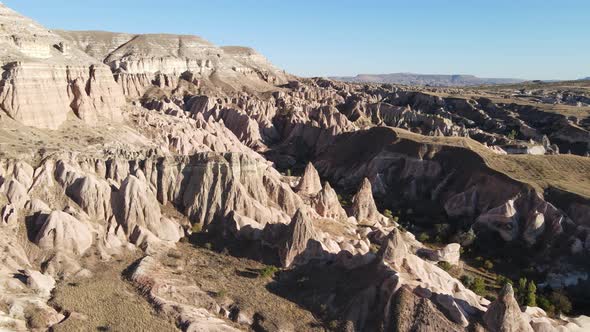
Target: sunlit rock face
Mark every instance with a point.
(45, 78)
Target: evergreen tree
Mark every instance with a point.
(521, 291)
(531, 294)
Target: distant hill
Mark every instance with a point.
(432, 80)
(585, 79)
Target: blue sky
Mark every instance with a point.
(547, 39)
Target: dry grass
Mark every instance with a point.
(239, 281)
(109, 303)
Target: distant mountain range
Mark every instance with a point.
(585, 79)
(425, 79)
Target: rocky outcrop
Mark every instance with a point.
(310, 184)
(364, 208)
(140, 211)
(301, 241)
(326, 204)
(451, 253)
(503, 219)
(505, 315)
(191, 307)
(142, 61)
(63, 232)
(42, 83)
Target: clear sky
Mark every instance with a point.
(541, 39)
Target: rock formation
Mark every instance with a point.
(44, 78)
(300, 238)
(115, 147)
(504, 314)
(364, 208)
(310, 183)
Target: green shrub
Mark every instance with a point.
(488, 265)
(423, 237)
(197, 228)
(268, 271)
(465, 239)
(333, 325)
(478, 286)
(562, 303)
(512, 135)
(467, 280)
(374, 248)
(445, 265)
(387, 213)
(545, 304)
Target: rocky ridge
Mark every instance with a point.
(192, 153)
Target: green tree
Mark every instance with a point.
(521, 289)
(545, 304)
(562, 304)
(531, 294)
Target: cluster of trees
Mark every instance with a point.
(526, 293)
(554, 302)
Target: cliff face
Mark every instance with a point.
(141, 61)
(44, 79)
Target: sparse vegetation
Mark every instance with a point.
(512, 135)
(268, 271)
(387, 213)
(467, 280)
(445, 265)
(478, 286)
(423, 237)
(197, 228)
(561, 302)
(343, 201)
(488, 265)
